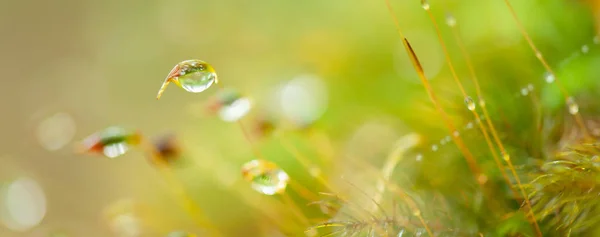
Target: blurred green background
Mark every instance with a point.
(100, 63)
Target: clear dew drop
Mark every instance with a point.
(585, 49)
(115, 150)
(434, 147)
(549, 77)
(470, 103)
(425, 4)
(455, 134)
(192, 75)
(530, 87)
(419, 157)
(450, 20)
(572, 105)
(265, 177)
(524, 91)
(469, 125)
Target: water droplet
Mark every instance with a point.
(443, 141)
(450, 20)
(585, 48)
(180, 234)
(481, 102)
(538, 55)
(455, 134)
(524, 91)
(530, 87)
(230, 105)
(112, 142)
(434, 147)
(123, 219)
(573, 106)
(24, 205)
(265, 177)
(192, 75)
(302, 100)
(425, 4)
(56, 131)
(416, 212)
(419, 157)
(314, 171)
(506, 157)
(469, 125)
(470, 103)
(549, 77)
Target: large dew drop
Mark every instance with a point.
(192, 75)
(230, 105)
(111, 142)
(265, 177)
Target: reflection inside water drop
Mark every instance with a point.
(265, 177)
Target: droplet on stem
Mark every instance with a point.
(265, 176)
(111, 142)
(450, 20)
(230, 105)
(572, 105)
(425, 4)
(192, 75)
(549, 77)
(470, 103)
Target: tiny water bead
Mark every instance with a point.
(230, 105)
(470, 103)
(549, 77)
(425, 4)
(450, 20)
(572, 105)
(192, 75)
(265, 176)
(123, 218)
(111, 142)
(524, 91)
(585, 48)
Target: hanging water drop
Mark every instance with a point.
(192, 75)
(419, 157)
(265, 177)
(572, 105)
(470, 103)
(111, 142)
(524, 91)
(481, 102)
(549, 77)
(425, 4)
(450, 20)
(434, 147)
(230, 105)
